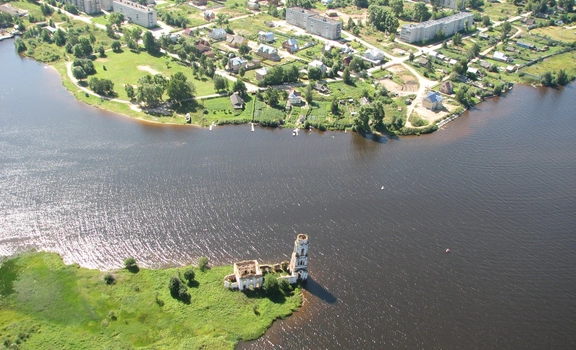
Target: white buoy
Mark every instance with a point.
(447, 251)
(382, 187)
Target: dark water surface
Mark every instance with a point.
(497, 187)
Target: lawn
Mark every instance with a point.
(553, 64)
(49, 305)
(556, 33)
(497, 11)
(127, 67)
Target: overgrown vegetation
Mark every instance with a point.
(46, 305)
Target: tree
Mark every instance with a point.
(308, 94)
(174, 286)
(242, 71)
(20, 46)
(59, 37)
(77, 50)
(505, 28)
(272, 97)
(334, 106)
(101, 51)
(457, 39)
(547, 79)
(101, 86)
(244, 49)
(116, 45)
(130, 263)
(151, 44)
(314, 73)
(178, 88)
(149, 90)
(203, 263)
(346, 76)
(284, 286)
(486, 21)
(189, 275)
(562, 78)
(411, 56)
(240, 87)
(420, 12)
(383, 18)
(475, 4)
(78, 73)
(129, 91)
(220, 83)
(270, 284)
(397, 7)
(116, 18)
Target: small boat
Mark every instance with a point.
(447, 251)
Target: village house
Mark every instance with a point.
(217, 34)
(268, 52)
(209, 15)
(236, 41)
(364, 101)
(472, 71)
(530, 23)
(238, 103)
(447, 87)
(261, 73)
(500, 56)
(265, 37)
(235, 63)
(484, 36)
(422, 61)
(318, 64)
(321, 88)
(485, 64)
(291, 45)
(253, 5)
(295, 97)
(432, 101)
(249, 274)
(526, 45)
(204, 48)
(374, 55)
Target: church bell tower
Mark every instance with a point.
(299, 261)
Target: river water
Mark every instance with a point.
(497, 187)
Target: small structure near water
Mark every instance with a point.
(249, 274)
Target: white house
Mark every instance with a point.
(217, 34)
(261, 73)
(235, 63)
(318, 64)
(295, 97)
(374, 54)
(500, 56)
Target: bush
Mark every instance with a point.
(203, 263)
(109, 279)
(271, 284)
(189, 275)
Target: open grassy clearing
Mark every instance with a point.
(497, 11)
(556, 33)
(554, 64)
(127, 67)
(47, 305)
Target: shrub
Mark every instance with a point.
(189, 275)
(203, 263)
(109, 279)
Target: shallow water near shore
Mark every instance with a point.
(497, 187)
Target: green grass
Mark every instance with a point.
(556, 33)
(52, 305)
(554, 64)
(122, 68)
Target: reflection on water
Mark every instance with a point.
(496, 186)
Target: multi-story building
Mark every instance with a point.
(86, 6)
(106, 5)
(313, 23)
(446, 26)
(136, 13)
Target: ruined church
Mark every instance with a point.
(250, 274)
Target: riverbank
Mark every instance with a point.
(45, 304)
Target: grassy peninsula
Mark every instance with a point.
(45, 304)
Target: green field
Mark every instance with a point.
(554, 64)
(556, 33)
(127, 67)
(45, 304)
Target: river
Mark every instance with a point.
(497, 187)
